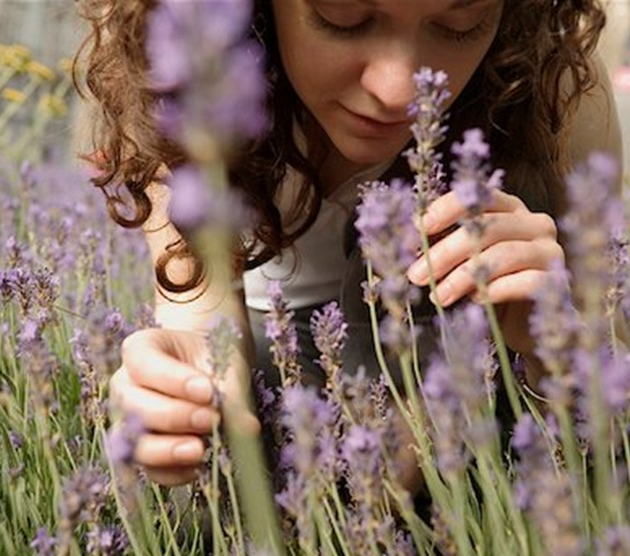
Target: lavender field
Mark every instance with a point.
(73, 285)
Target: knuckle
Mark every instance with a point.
(557, 252)
(171, 421)
(116, 388)
(132, 349)
(518, 203)
(547, 225)
(127, 345)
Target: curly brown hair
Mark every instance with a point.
(519, 84)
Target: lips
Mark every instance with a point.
(379, 121)
(376, 127)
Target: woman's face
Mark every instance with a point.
(351, 61)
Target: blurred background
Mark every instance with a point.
(51, 30)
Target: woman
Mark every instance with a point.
(519, 69)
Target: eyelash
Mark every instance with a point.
(460, 37)
(351, 31)
(464, 37)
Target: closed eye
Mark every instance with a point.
(465, 35)
(318, 21)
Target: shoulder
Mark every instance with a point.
(594, 125)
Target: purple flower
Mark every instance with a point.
(389, 241)
(457, 386)
(543, 491)
(362, 453)
(43, 544)
(217, 24)
(107, 541)
(595, 215)
(618, 291)
(222, 338)
(615, 541)
(427, 108)
(471, 182)
(308, 459)
(613, 374)
(123, 438)
(195, 202)
(554, 322)
(385, 213)
(191, 198)
(15, 439)
(199, 57)
(281, 330)
(329, 331)
(84, 496)
(41, 366)
(266, 398)
(309, 420)
(31, 331)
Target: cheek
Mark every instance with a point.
(330, 74)
(461, 68)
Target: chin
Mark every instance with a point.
(368, 152)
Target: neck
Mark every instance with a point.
(333, 168)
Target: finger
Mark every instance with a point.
(172, 476)
(166, 414)
(149, 366)
(118, 383)
(501, 259)
(517, 287)
(447, 210)
(458, 246)
(165, 450)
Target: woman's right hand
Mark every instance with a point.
(165, 378)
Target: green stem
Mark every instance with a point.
(504, 361)
(432, 281)
(332, 518)
(237, 514)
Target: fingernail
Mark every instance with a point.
(444, 294)
(429, 222)
(202, 419)
(188, 451)
(418, 273)
(199, 389)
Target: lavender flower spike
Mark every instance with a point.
(123, 438)
(544, 492)
(43, 544)
(329, 331)
(554, 322)
(427, 108)
(472, 182)
(281, 330)
(596, 213)
(211, 76)
(389, 240)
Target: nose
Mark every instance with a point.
(388, 78)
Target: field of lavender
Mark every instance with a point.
(73, 285)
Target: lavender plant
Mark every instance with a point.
(558, 483)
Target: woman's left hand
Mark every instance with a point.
(515, 249)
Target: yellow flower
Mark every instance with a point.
(16, 56)
(13, 95)
(54, 105)
(40, 70)
(65, 65)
